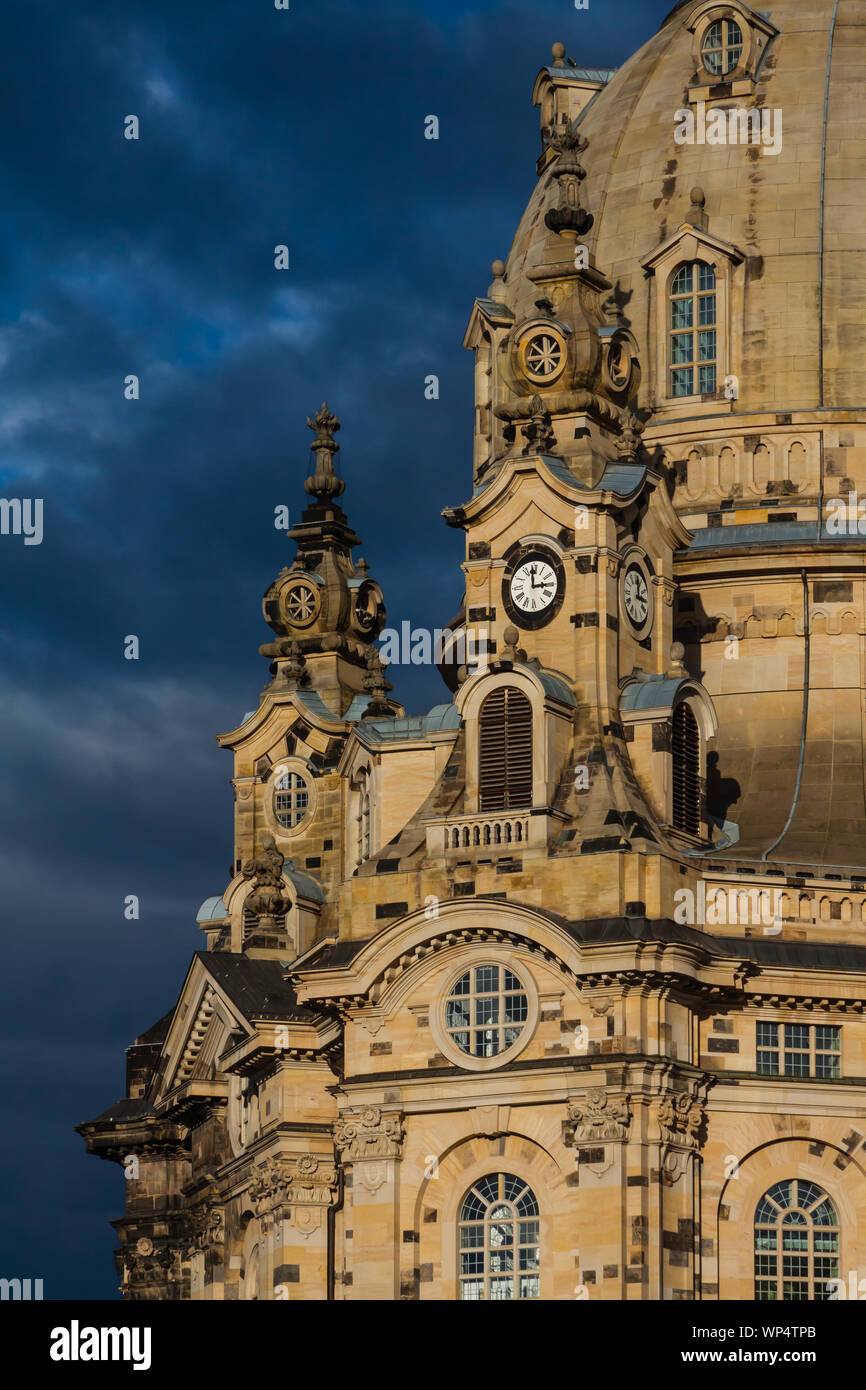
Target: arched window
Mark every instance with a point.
(291, 799)
(686, 756)
(692, 330)
(505, 751)
(796, 1244)
(498, 1240)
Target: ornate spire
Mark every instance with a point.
(323, 483)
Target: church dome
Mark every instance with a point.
(796, 215)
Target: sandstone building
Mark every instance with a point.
(557, 991)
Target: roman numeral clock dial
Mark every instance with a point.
(532, 588)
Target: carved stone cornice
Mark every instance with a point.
(369, 1133)
(598, 1118)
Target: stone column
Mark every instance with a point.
(291, 1195)
(680, 1119)
(597, 1128)
(370, 1143)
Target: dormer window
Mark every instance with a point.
(722, 47)
(692, 330)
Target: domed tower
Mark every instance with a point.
(715, 180)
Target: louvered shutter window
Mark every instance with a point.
(505, 751)
(686, 750)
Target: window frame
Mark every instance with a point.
(295, 767)
(696, 362)
(783, 1049)
(471, 960)
(487, 1248)
(775, 1231)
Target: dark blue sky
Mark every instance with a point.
(155, 257)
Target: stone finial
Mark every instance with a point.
(497, 288)
(567, 215)
(558, 52)
(677, 666)
(538, 431)
(510, 637)
(376, 685)
(323, 483)
(628, 443)
(697, 216)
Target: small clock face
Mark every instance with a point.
(301, 603)
(533, 586)
(636, 596)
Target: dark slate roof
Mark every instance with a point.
(157, 1033)
(257, 987)
(807, 955)
(121, 1110)
(763, 950)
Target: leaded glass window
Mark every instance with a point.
(796, 1244)
(498, 1239)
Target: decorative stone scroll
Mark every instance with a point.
(369, 1133)
(598, 1118)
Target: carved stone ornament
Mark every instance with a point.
(207, 1227)
(538, 431)
(323, 483)
(279, 1184)
(599, 1117)
(369, 1133)
(680, 1120)
(567, 215)
(266, 901)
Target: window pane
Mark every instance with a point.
(828, 1039)
(707, 345)
(796, 1064)
(706, 309)
(486, 978)
(706, 276)
(682, 281)
(681, 313)
(681, 381)
(827, 1064)
(707, 380)
(487, 1009)
(797, 1035)
(768, 1035)
(681, 347)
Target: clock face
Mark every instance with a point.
(533, 585)
(636, 596)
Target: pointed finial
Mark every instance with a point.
(323, 483)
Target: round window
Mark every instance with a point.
(486, 1011)
(542, 356)
(722, 47)
(291, 799)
